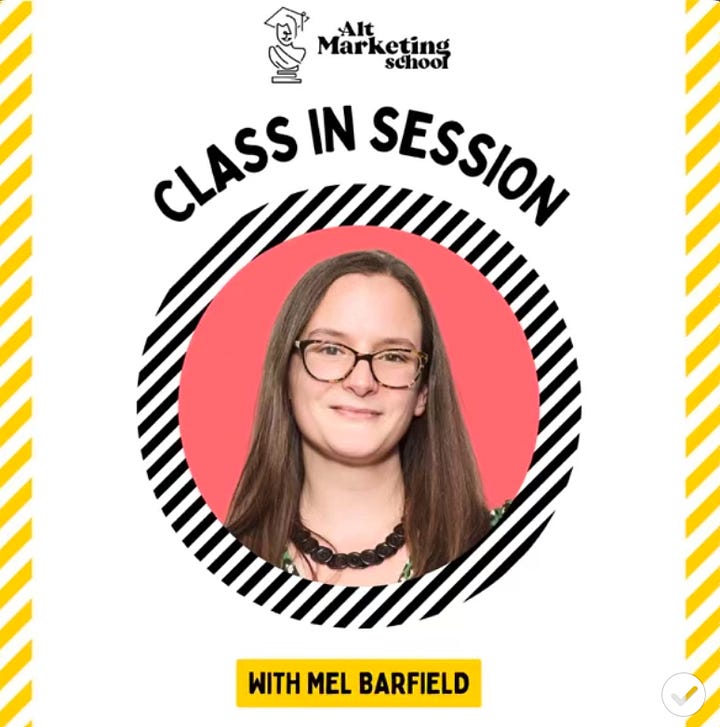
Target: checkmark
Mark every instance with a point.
(681, 700)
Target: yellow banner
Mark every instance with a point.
(358, 683)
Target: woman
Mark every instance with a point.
(360, 470)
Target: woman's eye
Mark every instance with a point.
(329, 349)
(394, 356)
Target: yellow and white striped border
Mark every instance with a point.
(702, 363)
(15, 364)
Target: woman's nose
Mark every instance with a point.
(361, 380)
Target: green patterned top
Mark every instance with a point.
(288, 565)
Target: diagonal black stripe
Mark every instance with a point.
(482, 246)
(553, 360)
(559, 407)
(312, 600)
(224, 557)
(185, 517)
(290, 596)
(521, 287)
(212, 542)
(549, 389)
(156, 413)
(169, 348)
(333, 606)
(475, 226)
(427, 589)
(450, 225)
(512, 533)
(511, 269)
(513, 558)
(534, 327)
(255, 578)
(548, 338)
(164, 432)
(164, 458)
(281, 578)
(171, 478)
(238, 568)
(556, 436)
(300, 217)
(212, 253)
(531, 302)
(497, 257)
(538, 480)
(178, 497)
(439, 210)
(160, 384)
(411, 211)
(388, 207)
(388, 603)
(200, 529)
(360, 606)
(365, 205)
(328, 216)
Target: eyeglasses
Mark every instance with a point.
(394, 368)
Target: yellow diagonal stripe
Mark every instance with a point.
(703, 228)
(12, 627)
(19, 258)
(14, 584)
(702, 633)
(706, 711)
(16, 340)
(16, 542)
(702, 67)
(703, 511)
(17, 97)
(16, 663)
(701, 311)
(16, 420)
(702, 390)
(15, 381)
(698, 193)
(14, 463)
(701, 432)
(690, 4)
(13, 142)
(15, 503)
(703, 269)
(702, 108)
(702, 350)
(20, 175)
(702, 148)
(708, 667)
(702, 471)
(13, 20)
(702, 27)
(16, 58)
(702, 552)
(13, 707)
(701, 593)
(20, 215)
(18, 298)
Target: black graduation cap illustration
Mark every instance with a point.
(291, 18)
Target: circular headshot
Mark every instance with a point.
(358, 406)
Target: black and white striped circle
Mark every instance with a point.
(348, 606)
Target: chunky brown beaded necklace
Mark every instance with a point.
(305, 543)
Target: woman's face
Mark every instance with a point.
(358, 421)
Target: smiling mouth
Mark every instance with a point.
(352, 412)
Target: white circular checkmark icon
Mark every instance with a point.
(683, 694)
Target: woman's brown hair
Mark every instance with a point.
(445, 512)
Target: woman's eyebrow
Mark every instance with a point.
(389, 341)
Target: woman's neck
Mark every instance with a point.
(352, 506)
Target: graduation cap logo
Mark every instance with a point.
(285, 55)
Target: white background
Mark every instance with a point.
(587, 627)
